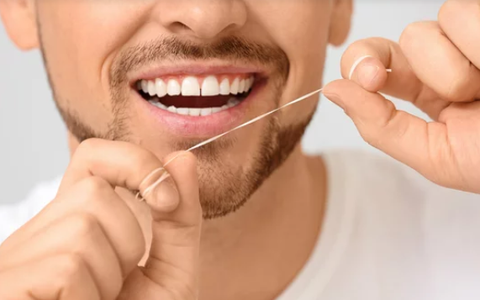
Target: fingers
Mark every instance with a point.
(80, 235)
(119, 163)
(401, 83)
(406, 138)
(63, 277)
(371, 73)
(427, 68)
(94, 197)
(184, 174)
(176, 235)
(438, 62)
(460, 21)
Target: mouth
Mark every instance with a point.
(196, 96)
(199, 104)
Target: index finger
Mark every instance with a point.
(403, 83)
(380, 54)
(121, 164)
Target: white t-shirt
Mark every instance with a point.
(388, 234)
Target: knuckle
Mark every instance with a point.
(458, 89)
(94, 185)
(449, 10)
(370, 138)
(93, 192)
(84, 225)
(410, 33)
(71, 277)
(70, 266)
(83, 149)
(87, 145)
(359, 45)
(144, 158)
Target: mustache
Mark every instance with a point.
(234, 49)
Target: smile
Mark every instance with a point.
(197, 96)
(199, 101)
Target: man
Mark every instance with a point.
(137, 82)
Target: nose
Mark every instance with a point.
(203, 19)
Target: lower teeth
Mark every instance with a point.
(196, 111)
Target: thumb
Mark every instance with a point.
(176, 226)
(369, 73)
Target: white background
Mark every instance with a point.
(33, 144)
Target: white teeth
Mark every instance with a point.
(235, 86)
(144, 84)
(232, 102)
(151, 88)
(210, 86)
(183, 111)
(173, 88)
(242, 89)
(190, 87)
(225, 87)
(194, 112)
(249, 83)
(159, 105)
(161, 88)
(206, 111)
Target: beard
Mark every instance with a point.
(223, 189)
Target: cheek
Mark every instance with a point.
(79, 39)
(301, 29)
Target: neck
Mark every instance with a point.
(259, 249)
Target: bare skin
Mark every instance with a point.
(436, 66)
(87, 243)
(81, 248)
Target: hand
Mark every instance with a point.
(87, 243)
(436, 67)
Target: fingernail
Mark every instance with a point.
(166, 195)
(367, 74)
(335, 99)
(356, 64)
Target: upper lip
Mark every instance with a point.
(195, 68)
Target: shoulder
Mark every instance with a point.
(14, 215)
(410, 223)
(377, 172)
(381, 181)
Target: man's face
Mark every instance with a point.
(168, 74)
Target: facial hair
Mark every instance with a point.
(223, 190)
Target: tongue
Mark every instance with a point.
(195, 101)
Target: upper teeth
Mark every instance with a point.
(191, 86)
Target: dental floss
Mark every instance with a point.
(357, 62)
(137, 196)
(247, 123)
(162, 178)
(166, 175)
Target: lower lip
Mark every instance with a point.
(201, 126)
